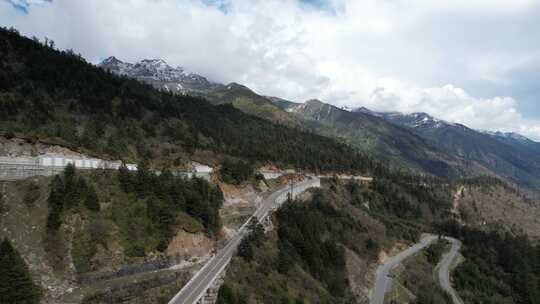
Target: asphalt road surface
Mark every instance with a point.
(444, 269)
(204, 278)
(383, 280)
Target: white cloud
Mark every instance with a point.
(454, 105)
(498, 7)
(391, 55)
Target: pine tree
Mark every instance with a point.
(126, 179)
(91, 200)
(56, 204)
(3, 204)
(69, 173)
(16, 285)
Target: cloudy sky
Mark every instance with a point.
(476, 62)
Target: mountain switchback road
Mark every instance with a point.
(444, 269)
(383, 280)
(203, 279)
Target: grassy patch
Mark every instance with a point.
(399, 294)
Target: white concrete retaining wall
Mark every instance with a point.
(12, 168)
(271, 175)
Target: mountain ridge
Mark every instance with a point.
(154, 71)
(158, 73)
(511, 155)
(423, 118)
(372, 134)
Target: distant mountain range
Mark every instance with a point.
(510, 155)
(421, 120)
(416, 140)
(376, 136)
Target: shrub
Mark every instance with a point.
(32, 194)
(235, 172)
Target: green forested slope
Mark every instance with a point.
(102, 231)
(498, 267)
(516, 160)
(50, 95)
(386, 141)
(304, 260)
(146, 209)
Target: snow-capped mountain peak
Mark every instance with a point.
(110, 60)
(517, 136)
(115, 65)
(158, 73)
(412, 120)
(424, 121)
(158, 62)
(418, 120)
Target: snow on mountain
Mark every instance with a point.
(368, 111)
(161, 75)
(509, 135)
(421, 120)
(412, 120)
(116, 66)
(347, 108)
(424, 120)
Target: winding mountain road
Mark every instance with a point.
(444, 269)
(383, 280)
(203, 279)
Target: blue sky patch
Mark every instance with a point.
(24, 5)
